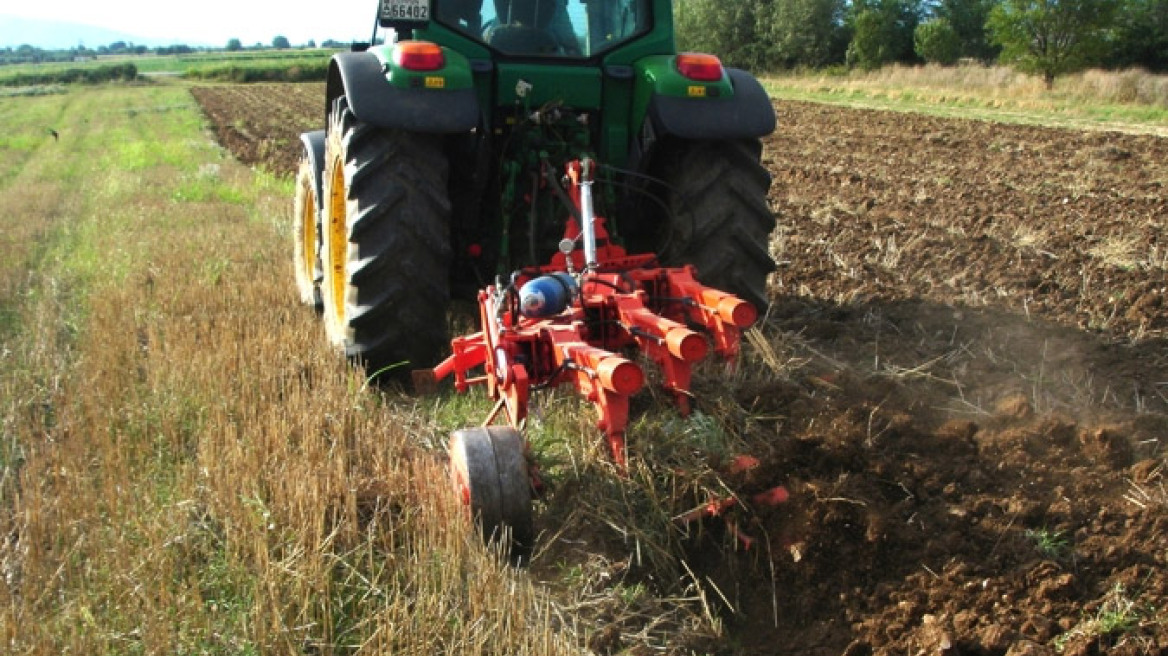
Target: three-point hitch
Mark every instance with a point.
(566, 324)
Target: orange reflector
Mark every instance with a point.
(699, 67)
(419, 56)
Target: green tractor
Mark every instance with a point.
(440, 167)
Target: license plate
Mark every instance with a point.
(405, 10)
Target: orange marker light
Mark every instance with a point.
(419, 56)
(699, 67)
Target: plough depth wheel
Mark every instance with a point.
(488, 467)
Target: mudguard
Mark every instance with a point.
(314, 151)
(361, 78)
(748, 113)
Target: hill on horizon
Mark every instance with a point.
(16, 31)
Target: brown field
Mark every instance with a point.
(261, 123)
(963, 380)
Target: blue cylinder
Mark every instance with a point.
(546, 296)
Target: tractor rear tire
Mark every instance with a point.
(386, 245)
(716, 194)
(306, 237)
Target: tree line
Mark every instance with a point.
(1046, 37)
(28, 54)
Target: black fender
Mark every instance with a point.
(314, 151)
(360, 77)
(747, 114)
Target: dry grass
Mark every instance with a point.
(988, 82)
(1127, 253)
(1130, 101)
(1134, 86)
(1001, 84)
(1149, 491)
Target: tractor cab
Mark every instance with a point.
(567, 30)
(547, 28)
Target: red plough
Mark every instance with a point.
(566, 324)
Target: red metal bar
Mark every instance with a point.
(724, 314)
(604, 378)
(673, 347)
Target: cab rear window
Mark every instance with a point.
(547, 28)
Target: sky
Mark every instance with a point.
(211, 22)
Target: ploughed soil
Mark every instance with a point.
(261, 124)
(968, 387)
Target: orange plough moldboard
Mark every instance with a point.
(564, 324)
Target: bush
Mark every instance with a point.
(94, 75)
(937, 42)
(292, 71)
(870, 48)
(1052, 38)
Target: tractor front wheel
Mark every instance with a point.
(386, 245)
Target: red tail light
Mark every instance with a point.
(699, 67)
(419, 56)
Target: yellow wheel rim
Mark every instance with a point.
(308, 232)
(338, 238)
